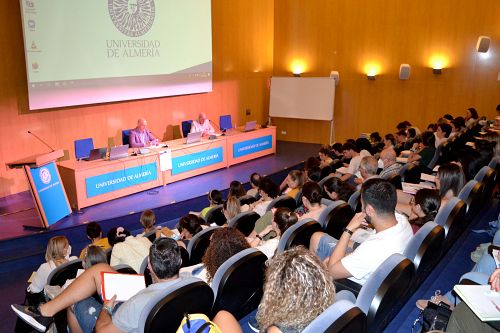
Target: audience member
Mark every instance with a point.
(94, 234)
(324, 157)
(268, 190)
(231, 207)
(336, 189)
(148, 220)
(254, 183)
(393, 232)
(390, 166)
(351, 151)
(164, 263)
(400, 141)
(404, 125)
(471, 117)
(449, 181)
(311, 199)
(367, 169)
(236, 190)
(130, 251)
(364, 146)
(442, 134)
(376, 142)
(425, 153)
(293, 183)
(283, 219)
(141, 136)
(311, 169)
(432, 127)
(189, 225)
(202, 124)
(215, 199)
(389, 141)
(424, 206)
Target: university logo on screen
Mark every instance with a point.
(133, 18)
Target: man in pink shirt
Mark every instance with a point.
(141, 136)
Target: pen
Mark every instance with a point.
(495, 304)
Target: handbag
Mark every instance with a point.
(433, 317)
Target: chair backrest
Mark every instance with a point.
(244, 222)
(322, 182)
(396, 181)
(126, 137)
(327, 202)
(355, 201)
(335, 218)
(198, 245)
(247, 199)
(283, 201)
(150, 235)
(385, 291)
(165, 310)
(64, 272)
(495, 163)
(452, 218)
(424, 249)
(238, 283)
(83, 147)
(410, 173)
(434, 160)
(225, 122)
(298, 234)
(341, 316)
(186, 127)
(215, 215)
(471, 194)
(124, 269)
(486, 176)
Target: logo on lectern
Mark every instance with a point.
(132, 17)
(45, 176)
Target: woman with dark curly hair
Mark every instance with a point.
(225, 243)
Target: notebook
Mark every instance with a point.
(483, 301)
(124, 286)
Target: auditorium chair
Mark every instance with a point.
(244, 222)
(298, 199)
(164, 312)
(151, 235)
(83, 148)
(410, 173)
(335, 217)
(198, 245)
(64, 272)
(355, 201)
(186, 127)
(322, 182)
(247, 199)
(486, 176)
(424, 250)
(396, 181)
(238, 283)
(327, 202)
(282, 201)
(144, 269)
(495, 165)
(341, 316)
(108, 254)
(452, 218)
(472, 195)
(125, 269)
(435, 158)
(385, 291)
(126, 136)
(298, 234)
(215, 215)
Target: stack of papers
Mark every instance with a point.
(428, 178)
(124, 286)
(402, 160)
(413, 188)
(483, 301)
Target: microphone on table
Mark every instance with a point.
(45, 143)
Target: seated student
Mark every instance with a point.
(236, 190)
(268, 190)
(129, 250)
(189, 225)
(351, 151)
(231, 207)
(449, 181)
(202, 124)
(393, 232)
(424, 207)
(94, 233)
(442, 134)
(283, 219)
(164, 263)
(367, 169)
(224, 243)
(312, 170)
(390, 166)
(141, 136)
(336, 189)
(148, 220)
(293, 183)
(471, 117)
(389, 141)
(425, 153)
(411, 135)
(324, 157)
(311, 200)
(400, 141)
(364, 146)
(215, 199)
(254, 183)
(376, 142)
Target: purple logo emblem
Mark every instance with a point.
(133, 18)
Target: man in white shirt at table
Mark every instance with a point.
(202, 124)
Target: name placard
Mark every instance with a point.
(252, 146)
(197, 160)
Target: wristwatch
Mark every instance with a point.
(348, 231)
(108, 309)
(258, 236)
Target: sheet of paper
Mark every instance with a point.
(342, 170)
(436, 168)
(402, 160)
(124, 286)
(413, 188)
(165, 160)
(428, 178)
(484, 302)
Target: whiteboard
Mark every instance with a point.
(302, 97)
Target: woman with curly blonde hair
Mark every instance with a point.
(297, 289)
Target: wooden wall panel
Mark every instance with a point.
(242, 64)
(346, 35)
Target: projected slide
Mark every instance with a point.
(93, 51)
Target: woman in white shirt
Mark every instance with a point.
(127, 249)
(283, 219)
(268, 190)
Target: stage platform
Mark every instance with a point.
(18, 245)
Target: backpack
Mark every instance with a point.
(197, 323)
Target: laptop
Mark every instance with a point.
(96, 154)
(193, 137)
(118, 152)
(250, 126)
